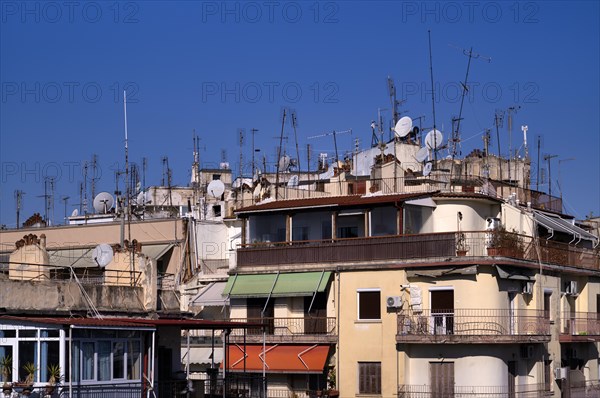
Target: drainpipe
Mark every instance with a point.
(337, 351)
(71, 361)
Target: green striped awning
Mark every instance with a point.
(277, 285)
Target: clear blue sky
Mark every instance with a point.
(220, 66)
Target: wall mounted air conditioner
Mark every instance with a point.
(492, 223)
(560, 373)
(394, 302)
(528, 288)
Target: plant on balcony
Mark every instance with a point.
(331, 384)
(54, 378)
(27, 385)
(505, 243)
(461, 245)
(6, 370)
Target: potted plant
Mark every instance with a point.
(6, 371)
(461, 246)
(505, 243)
(54, 378)
(27, 385)
(331, 384)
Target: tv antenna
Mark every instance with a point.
(241, 134)
(394, 102)
(510, 111)
(548, 159)
(93, 166)
(19, 204)
(334, 134)
(432, 96)
(167, 175)
(253, 131)
(279, 153)
(455, 140)
(294, 120)
(65, 199)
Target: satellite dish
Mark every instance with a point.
(433, 139)
(102, 254)
(293, 182)
(216, 188)
(103, 202)
(75, 213)
(403, 126)
(422, 155)
(284, 162)
(427, 169)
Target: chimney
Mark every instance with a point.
(43, 241)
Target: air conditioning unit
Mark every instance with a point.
(528, 288)
(394, 302)
(527, 351)
(560, 373)
(571, 288)
(492, 223)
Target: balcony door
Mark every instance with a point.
(315, 321)
(255, 307)
(512, 378)
(441, 379)
(442, 311)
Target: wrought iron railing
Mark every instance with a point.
(85, 276)
(165, 281)
(581, 323)
(419, 247)
(472, 322)
(441, 391)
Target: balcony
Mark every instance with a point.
(580, 326)
(518, 391)
(422, 247)
(288, 330)
(473, 326)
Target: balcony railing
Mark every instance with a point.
(165, 281)
(289, 329)
(581, 324)
(517, 391)
(428, 247)
(473, 325)
(586, 389)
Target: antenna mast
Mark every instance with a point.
(241, 142)
(294, 125)
(279, 154)
(19, 204)
(253, 131)
(432, 100)
(126, 154)
(510, 111)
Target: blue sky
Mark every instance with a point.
(217, 67)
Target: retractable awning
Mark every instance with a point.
(555, 223)
(156, 251)
(202, 355)
(514, 274)
(211, 295)
(437, 272)
(277, 285)
(278, 358)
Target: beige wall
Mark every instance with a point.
(474, 214)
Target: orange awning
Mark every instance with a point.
(279, 358)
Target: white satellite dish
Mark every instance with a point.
(427, 169)
(284, 163)
(293, 182)
(143, 198)
(103, 202)
(75, 213)
(216, 188)
(102, 255)
(422, 155)
(434, 139)
(403, 126)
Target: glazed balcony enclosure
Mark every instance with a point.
(473, 326)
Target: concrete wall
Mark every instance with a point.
(474, 213)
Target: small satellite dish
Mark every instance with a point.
(103, 202)
(422, 155)
(216, 188)
(427, 169)
(75, 213)
(434, 139)
(293, 182)
(102, 255)
(284, 162)
(403, 127)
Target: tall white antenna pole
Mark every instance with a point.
(126, 153)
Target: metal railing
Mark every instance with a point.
(165, 281)
(586, 389)
(472, 322)
(307, 326)
(36, 273)
(125, 390)
(581, 323)
(422, 246)
(517, 391)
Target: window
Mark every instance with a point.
(383, 221)
(217, 210)
(369, 304)
(369, 377)
(547, 296)
(216, 177)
